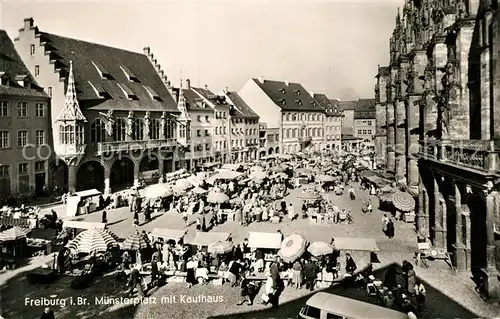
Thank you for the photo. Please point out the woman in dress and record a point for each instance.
(191, 270)
(297, 274)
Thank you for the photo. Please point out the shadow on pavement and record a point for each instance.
(438, 305)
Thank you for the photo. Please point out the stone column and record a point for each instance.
(412, 135)
(423, 210)
(381, 133)
(391, 137)
(439, 215)
(400, 147)
(485, 78)
(459, 256)
(107, 181)
(491, 273)
(136, 174)
(161, 168)
(72, 181)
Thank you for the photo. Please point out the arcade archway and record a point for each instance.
(477, 207)
(122, 174)
(58, 176)
(90, 175)
(271, 151)
(277, 150)
(148, 169)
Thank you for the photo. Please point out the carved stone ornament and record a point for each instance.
(147, 124)
(130, 122)
(163, 124)
(109, 123)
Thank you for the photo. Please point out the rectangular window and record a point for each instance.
(4, 179)
(23, 168)
(37, 70)
(206, 133)
(198, 133)
(40, 137)
(216, 131)
(32, 49)
(207, 147)
(22, 109)
(225, 144)
(49, 91)
(206, 118)
(4, 108)
(4, 171)
(22, 138)
(39, 166)
(199, 118)
(4, 139)
(39, 110)
(225, 131)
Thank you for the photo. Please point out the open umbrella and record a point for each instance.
(92, 240)
(220, 247)
(308, 195)
(292, 247)
(225, 174)
(157, 190)
(403, 201)
(217, 198)
(135, 241)
(326, 178)
(183, 184)
(199, 190)
(14, 233)
(320, 248)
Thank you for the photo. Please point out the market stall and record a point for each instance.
(83, 202)
(168, 234)
(205, 239)
(360, 249)
(13, 246)
(15, 216)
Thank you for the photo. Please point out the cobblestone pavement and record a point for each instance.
(450, 294)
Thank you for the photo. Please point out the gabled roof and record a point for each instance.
(242, 109)
(331, 108)
(194, 102)
(288, 96)
(13, 68)
(347, 105)
(91, 60)
(365, 109)
(211, 96)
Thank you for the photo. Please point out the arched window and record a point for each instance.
(98, 131)
(287, 133)
(155, 129)
(120, 130)
(308, 132)
(314, 132)
(80, 139)
(138, 129)
(294, 133)
(170, 128)
(287, 117)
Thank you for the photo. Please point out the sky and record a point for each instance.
(330, 47)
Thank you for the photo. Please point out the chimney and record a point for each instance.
(188, 84)
(28, 23)
(261, 79)
(147, 51)
(206, 87)
(287, 83)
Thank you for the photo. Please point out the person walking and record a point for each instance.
(245, 291)
(310, 272)
(385, 221)
(104, 217)
(420, 294)
(390, 229)
(350, 265)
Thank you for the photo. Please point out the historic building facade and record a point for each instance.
(269, 140)
(441, 127)
(381, 128)
(114, 117)
(364, 121)
(25, 125)
(291, 108)
(244, 134)
(332, 122)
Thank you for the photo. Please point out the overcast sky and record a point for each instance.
(328, 46)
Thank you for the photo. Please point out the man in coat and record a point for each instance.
(310, 273)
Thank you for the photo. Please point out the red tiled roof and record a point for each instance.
(12, 66)
(87, 55)
(291, 97)
(242, 109)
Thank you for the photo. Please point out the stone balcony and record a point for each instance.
(130, 146)
(482, 155)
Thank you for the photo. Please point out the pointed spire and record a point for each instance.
(71, 111)
(182, 106)
(398, 19)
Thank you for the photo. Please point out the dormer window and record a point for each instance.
(127, 92)
(297, 92)
(282, 91)
(130, 76)
(298, 102)
(283, 102)
(99, 91)
(4, 80)
(22, 80)
(152, 93)
(102, 71)
(313, 102)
